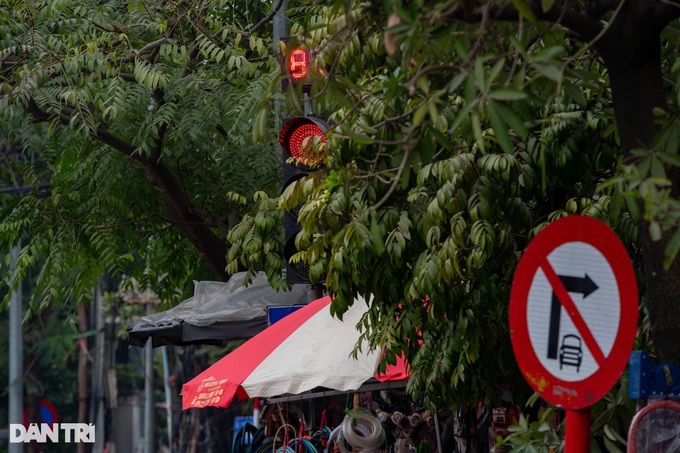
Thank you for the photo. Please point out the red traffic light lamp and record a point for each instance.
(303, 141)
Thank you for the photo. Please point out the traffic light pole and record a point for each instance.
(281, 27)
(280, 23)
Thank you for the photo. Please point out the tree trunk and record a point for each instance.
(631, 50)
(180, 210)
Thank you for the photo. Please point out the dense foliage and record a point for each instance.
(443, 160)
(460, 130)
(136, 120)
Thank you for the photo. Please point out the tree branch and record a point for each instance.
(193, 53)
(602, 7)
(153, 45)
(177, 205)
(413, 82)
(582, 25)
(267, 18)
(664, 12)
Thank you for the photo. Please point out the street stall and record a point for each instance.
(217, 312)
(308, 355)
(307, 349)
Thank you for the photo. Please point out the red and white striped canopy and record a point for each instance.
(308, 348)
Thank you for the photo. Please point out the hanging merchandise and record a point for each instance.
(245, 437)
(362, 430)
(321, 435)
(385, 421)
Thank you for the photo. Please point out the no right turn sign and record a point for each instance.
(573, 311)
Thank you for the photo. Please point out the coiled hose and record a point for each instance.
(361, 430)
(243, 438)
(332, 437)
(258, 440)
(285, 448)
(302, 445)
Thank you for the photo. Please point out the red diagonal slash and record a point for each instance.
(570, 307)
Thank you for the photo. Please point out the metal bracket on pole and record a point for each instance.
(307, 101)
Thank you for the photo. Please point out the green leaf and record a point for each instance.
(616, 206)
(501, 131)
(479, 74)
(574, 92)
(633, 207)
(493, 74)
(508, 94)
(655, 231)
(549, 71)
(524, 10)
(546, 5)
(512, 119)
(441, 139)
(672, 250)
(461, 46)
(477, 130)
(670, 158)
(611, 447)
(361, 138)
(549, 54)
(419, 114)
(457, 80)
(463, 114)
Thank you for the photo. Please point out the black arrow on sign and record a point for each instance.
(583, 285)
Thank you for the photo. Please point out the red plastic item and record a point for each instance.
(655, 428)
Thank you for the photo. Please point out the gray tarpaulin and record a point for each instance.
(217, 312)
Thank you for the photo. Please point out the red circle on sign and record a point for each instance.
(579, 393)
(48, 414)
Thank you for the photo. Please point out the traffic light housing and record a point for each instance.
(303, 142)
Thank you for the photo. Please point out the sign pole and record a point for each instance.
(577, 431)
(573, 317)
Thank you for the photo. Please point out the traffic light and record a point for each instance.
(297, 68)
(303, 141)
(298, 63)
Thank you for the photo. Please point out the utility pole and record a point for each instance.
(147, 298)
(149, 441)
(97, 408)
(281, 24)
(16, 357)
(16, 340)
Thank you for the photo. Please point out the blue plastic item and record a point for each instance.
(648, 380)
